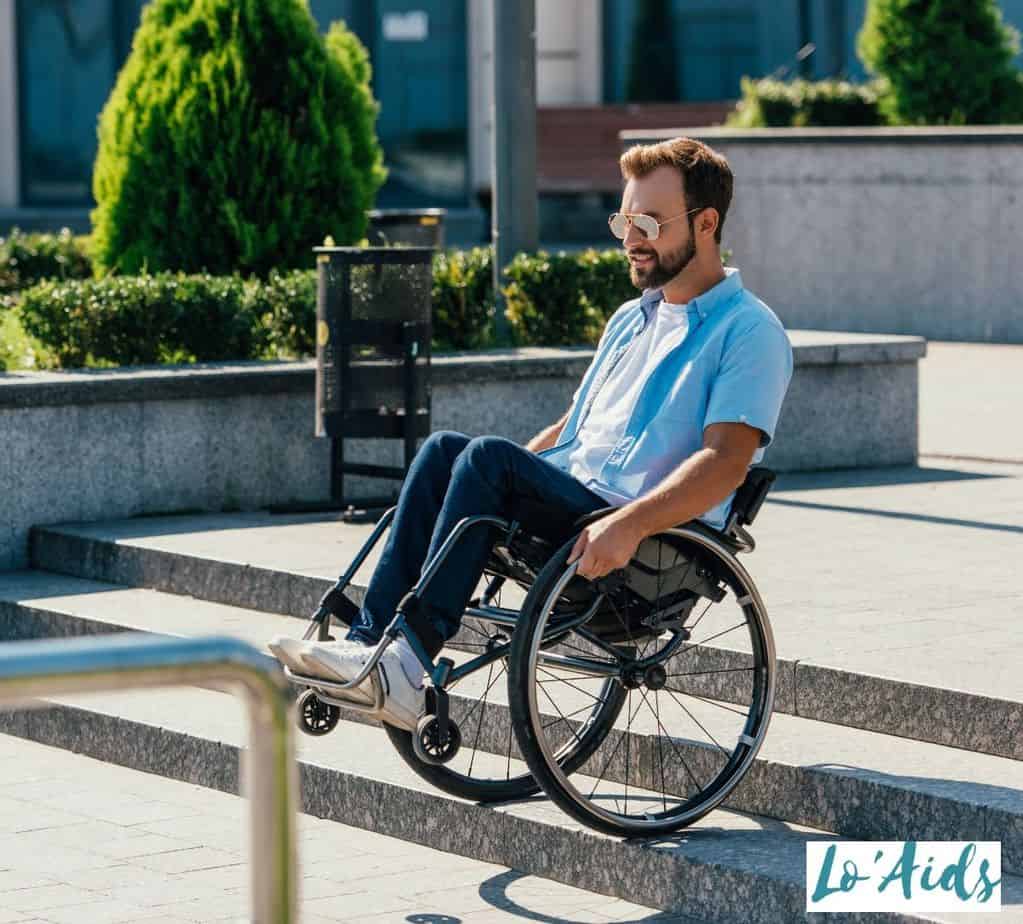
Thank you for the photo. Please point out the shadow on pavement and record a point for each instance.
(874, 477)
(495, 891)
(899, 515)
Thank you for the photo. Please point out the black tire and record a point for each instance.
(731, 676)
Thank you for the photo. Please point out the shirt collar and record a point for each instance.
(703, 304)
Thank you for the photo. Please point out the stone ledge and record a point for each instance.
(219, 380)
(973, 134)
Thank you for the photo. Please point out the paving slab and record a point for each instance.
(191, 865)
(969, 400)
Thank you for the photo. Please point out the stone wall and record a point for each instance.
(898, 230)
(99, 445)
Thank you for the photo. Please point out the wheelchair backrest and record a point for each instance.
(750, 495)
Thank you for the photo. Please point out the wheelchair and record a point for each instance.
(636, 702)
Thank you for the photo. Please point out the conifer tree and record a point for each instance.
(235, 139)
(943, 61)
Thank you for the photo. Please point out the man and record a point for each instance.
(682, 396)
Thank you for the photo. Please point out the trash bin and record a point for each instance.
(407, 227)
(373, 308)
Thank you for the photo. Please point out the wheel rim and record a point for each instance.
(696, 710)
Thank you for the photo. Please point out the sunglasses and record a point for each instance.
(647, 225)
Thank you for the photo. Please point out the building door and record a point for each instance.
(420, 78)
(69, 53)
(419, 53)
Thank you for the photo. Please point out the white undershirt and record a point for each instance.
(611, 409)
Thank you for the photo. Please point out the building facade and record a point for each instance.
(432, 75)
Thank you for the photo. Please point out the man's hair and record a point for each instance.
(706, 176)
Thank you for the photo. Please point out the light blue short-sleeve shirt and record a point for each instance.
(733, 365)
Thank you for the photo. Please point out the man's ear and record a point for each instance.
(707, 222)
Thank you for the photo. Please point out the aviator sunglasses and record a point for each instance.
(647, 225)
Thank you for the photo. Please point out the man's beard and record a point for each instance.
(664, 269)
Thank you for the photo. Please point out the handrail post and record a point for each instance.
(269, 774)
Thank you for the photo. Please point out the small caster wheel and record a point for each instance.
(316, 717)
(427, 744)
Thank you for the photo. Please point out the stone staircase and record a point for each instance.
(847, 755)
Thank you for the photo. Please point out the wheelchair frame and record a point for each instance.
(436, 726)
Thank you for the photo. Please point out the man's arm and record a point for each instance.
(549, 436)
(700, 483)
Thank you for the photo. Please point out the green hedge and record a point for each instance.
(463, 299)
(133, 320)
(564, 299)
(553, 300)
(769, 103)
(28, 258)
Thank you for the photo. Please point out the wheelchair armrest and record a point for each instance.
(750, 495)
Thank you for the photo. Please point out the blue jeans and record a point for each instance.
(455, 476)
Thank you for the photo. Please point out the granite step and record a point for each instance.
(212, 557)
(856, 783)
(729, 867)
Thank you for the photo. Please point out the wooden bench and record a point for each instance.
(577, 147)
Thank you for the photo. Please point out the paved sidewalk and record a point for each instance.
(83, 842)
(970, 396)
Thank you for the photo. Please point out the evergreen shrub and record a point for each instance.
(235, 138)
(770, 103)
(27, 258)
(564, 299)
(141, 320)
(943, 61)
(463, 299)
(553, 300)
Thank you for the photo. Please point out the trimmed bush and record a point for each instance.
(553, 300)
(943, 61)
(28, 258)
(285, 310)
(769, 103)
(140, 320)
(564, 299)
(463, 299)
(235, 138)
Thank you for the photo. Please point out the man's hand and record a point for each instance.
(605, 546)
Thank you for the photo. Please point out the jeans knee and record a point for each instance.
(489, 448)
(447, 442)
(490, 457)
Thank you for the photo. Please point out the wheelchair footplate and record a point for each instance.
(320, 704)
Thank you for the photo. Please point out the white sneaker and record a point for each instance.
(401, 676)
(289, 650)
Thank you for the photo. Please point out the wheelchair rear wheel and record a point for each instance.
(685, 639)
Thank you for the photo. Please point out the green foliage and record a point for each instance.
(133, 320)
(553, 300)
(235, 138)
(564, 299)
(653, 57)
(285, 311)
(768, 103)
(19, 351)
(27, 258)
(943, 61)
(463, 299)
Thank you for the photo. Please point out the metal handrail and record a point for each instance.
(269, 774)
